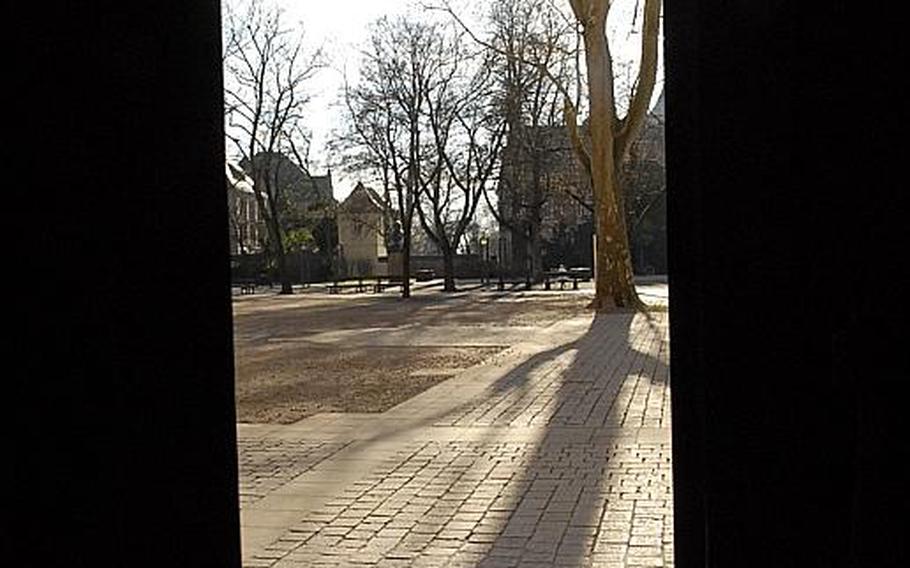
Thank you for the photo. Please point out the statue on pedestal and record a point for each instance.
(394, 246)
(394, 241)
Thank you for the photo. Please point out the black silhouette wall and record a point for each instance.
(783, 144)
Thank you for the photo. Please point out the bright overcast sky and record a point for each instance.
(341, 27)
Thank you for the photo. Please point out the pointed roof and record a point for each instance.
(299, 185)
(361, 199)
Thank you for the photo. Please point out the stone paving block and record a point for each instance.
(497, 562)
(585, 480)
(645, 561)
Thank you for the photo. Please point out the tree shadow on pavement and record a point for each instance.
(569, 505)
(582, 486)
(547, 466)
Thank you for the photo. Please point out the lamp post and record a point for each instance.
(483, 258)
(500, 243)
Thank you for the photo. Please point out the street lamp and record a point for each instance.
(483, 258)
(501, 244)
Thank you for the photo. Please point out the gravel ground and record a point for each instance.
(282, 376)
(287, 384)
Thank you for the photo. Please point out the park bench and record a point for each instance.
(425, 274)
(501, 283)
(248, 285)
(562, 277)
(338, 285)
(383, 282)
(583, 272)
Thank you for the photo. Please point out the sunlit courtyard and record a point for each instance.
(511, 429)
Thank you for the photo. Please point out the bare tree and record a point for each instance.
(267, 67)
(644, 174)
(468, 134)
(531, 45)
(609, 139)
(389, 130)
(642, 177)
(602, 147)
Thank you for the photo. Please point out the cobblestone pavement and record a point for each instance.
(266, 464)
(557, 454)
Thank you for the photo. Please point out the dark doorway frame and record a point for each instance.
(784, 406)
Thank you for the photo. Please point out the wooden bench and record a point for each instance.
(582, 272)
(383, 282)
(424, 274)
(338, 285)
(562, 277)
(501, 283)
(248, 285)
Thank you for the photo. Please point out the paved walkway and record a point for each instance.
(555, 454)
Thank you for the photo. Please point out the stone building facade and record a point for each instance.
(361, 233)
(245, 220)
(545, 199)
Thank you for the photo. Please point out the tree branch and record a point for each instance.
(647, 76)
(571, 118)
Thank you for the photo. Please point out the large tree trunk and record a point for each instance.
(448, 267)
(283, 275)
(528, 258)
(613, 278)
(277, 246)
(281, 263)
(276, 240)
(406, 264)
(534, 242)
(614, 286)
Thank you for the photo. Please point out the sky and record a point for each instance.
(340, 27)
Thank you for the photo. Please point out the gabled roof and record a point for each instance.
(361, 199)
(297, 184)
